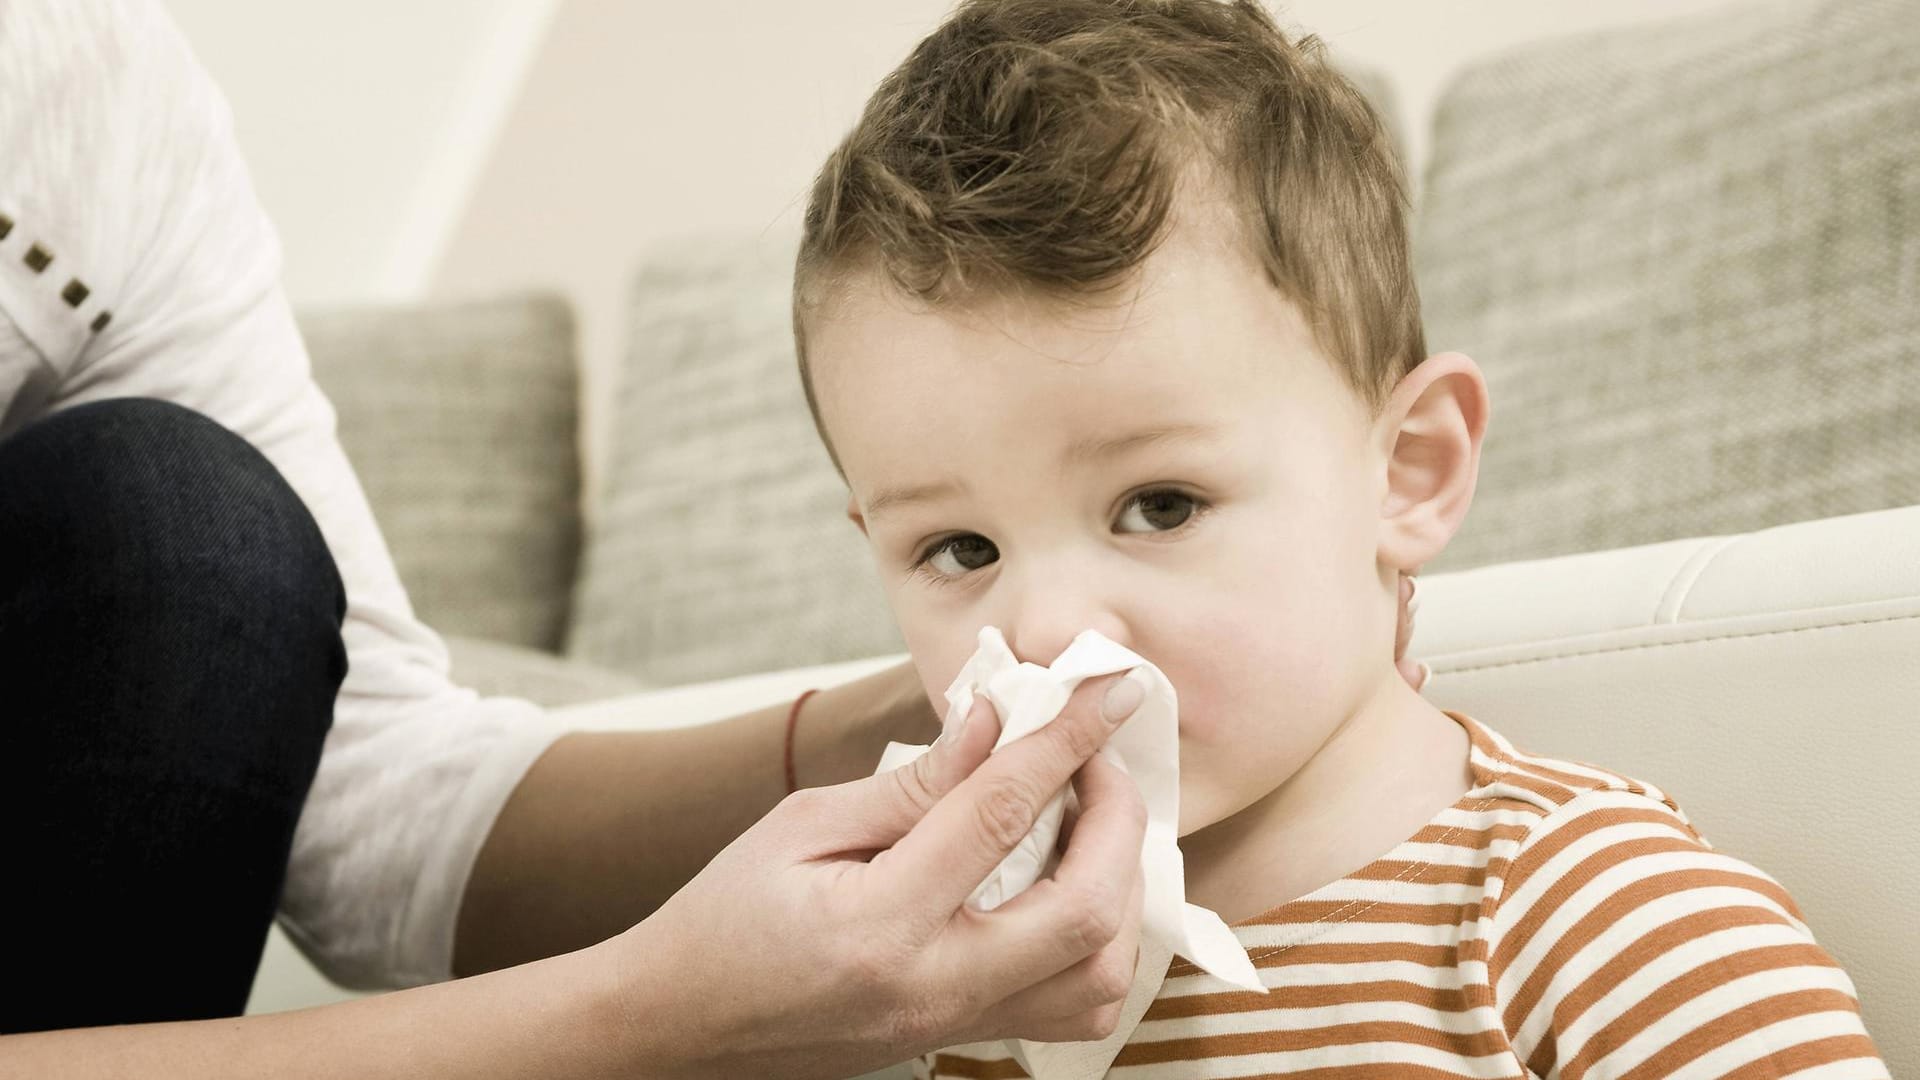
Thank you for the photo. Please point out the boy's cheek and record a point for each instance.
(938, 663)
(1220, 677)
(1242, 730)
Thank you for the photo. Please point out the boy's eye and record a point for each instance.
(957, 555)
(1156, 511)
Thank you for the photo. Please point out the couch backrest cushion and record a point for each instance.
(1687, 256)
(720, 543)
(460, 421)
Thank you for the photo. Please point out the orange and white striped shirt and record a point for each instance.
(1559, 920)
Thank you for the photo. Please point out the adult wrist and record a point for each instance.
(647, 1005)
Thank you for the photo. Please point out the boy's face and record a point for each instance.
(1180, 469)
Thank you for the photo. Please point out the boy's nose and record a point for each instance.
(1049, 618)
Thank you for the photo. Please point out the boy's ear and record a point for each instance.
(1430, 434)
(854, 515)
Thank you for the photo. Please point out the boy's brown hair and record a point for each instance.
(1040, 143)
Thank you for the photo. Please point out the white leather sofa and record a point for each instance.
(1769, 681)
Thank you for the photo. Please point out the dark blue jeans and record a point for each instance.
(169, 657)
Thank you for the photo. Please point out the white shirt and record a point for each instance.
(117, 158)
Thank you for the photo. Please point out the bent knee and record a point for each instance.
(150, 489)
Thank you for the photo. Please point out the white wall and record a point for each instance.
(642, 120)
(365, 123)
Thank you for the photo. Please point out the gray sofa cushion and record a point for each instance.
(721, 545)
(460, 421)
(1687, 256)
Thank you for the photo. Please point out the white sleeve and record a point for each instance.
(117, 149)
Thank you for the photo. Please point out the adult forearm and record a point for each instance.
(568, 1017)
(607, 825)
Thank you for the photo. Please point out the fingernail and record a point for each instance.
(1426, 675)
(1413, 596)
(1125, 696)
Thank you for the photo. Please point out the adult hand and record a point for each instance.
(1415, 672)
(834, 936)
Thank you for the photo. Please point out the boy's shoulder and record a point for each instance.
(1574, 843)
(1555, 828)
(1534, 794)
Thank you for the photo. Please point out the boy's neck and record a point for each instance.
(1382, 775)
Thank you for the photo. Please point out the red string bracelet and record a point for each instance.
(793, 718)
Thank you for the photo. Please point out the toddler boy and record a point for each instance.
(1105, 312)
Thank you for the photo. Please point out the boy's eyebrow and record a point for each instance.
(891, 497)
(1089, 449)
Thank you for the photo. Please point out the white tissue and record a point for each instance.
(1027, 697)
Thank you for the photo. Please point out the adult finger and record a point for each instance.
(1075, 1002)
(1102, 860)
(1415, 672)
(1083, 908)
(1418, 673)
(874, 812)
(1407, 607)
(968, 832)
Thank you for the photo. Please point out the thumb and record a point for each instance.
(871, 814)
